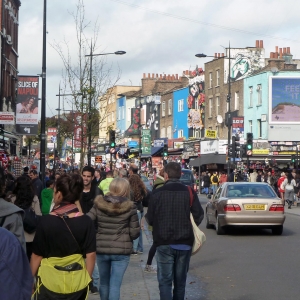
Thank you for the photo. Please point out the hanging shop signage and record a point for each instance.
(209, 147)
(146, 141)
(210, 134)
(7, 118)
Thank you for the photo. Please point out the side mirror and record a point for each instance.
(209, 196)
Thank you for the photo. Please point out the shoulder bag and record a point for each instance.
(199, 236)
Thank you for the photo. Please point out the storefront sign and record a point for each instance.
(210, 134)
(7, 118)
(260, 151)
(209, 147)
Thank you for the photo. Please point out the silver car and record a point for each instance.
(245, 204)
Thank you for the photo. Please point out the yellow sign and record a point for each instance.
(260, 151)
(286, 152)
(210, 134)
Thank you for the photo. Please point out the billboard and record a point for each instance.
(27, 106)
(284, 100)
(51, 137)
(284, 108)
(238, 126)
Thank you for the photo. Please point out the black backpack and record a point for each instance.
(31, 220)
(215, 179)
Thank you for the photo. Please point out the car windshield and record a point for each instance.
(250, 190)
(186, 176)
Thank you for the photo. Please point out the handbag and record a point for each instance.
(31, 220)
(199, 236)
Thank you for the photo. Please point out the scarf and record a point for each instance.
(64, 209)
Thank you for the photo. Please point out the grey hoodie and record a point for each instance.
(13, 220)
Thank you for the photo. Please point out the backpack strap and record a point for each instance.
(191, 195)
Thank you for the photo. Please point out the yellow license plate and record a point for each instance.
(254, 206)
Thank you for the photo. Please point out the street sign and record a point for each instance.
(98, 159)
(249, 152)
(160, 142)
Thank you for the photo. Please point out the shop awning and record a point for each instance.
(206, 159)
(155, 150)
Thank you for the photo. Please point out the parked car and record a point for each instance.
(245, 204)
(147, 182)
(187, 178)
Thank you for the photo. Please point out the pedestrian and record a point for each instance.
(259, 177)
(36, 183)
(139, 195)
(169, 214)
(24, 197)
(65, 237)
(104, 184)
(288, 185)
(253, 176)
(90, 192)
(206, 183)
(118, 225)
(11, 216)
(47, 196)
(280, 187)
(214, 180)
(223, 178)
(15, 275)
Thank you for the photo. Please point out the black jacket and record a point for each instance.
(169, 214)
(87, 199)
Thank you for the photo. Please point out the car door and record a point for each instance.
(214, 204)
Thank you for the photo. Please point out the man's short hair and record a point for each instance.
(123, 172)
(134, 168)
(26, 169)
(34, 172)
(109, 174)
(49, 182)
(173, 170)
(88, 169)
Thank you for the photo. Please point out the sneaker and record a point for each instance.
(94, 290)
(133, 253)
(139, 252)
(149, 269)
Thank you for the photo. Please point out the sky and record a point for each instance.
(160, 37)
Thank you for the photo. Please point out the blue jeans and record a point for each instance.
(214, 188)
(95, 276)
(205, 190)
(111, 269)
(138, 243)
(172, 265)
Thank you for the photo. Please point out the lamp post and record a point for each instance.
(90, 98)
(228, 100)
(43, 106)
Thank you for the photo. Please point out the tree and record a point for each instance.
(76, 77)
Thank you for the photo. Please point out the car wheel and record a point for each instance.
(219, 229)
(277, 230)
(208, 225)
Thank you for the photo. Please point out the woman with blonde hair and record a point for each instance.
(118, 226)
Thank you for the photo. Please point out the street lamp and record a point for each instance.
(228, 100)
(90, 99)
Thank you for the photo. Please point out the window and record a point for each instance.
(163, 132)
(180, 133)
(129, 113)
(112, 116)
(227, 106)
(225, 76)
(170, 107)
(236, 101)
(163, 109)
(259, 94)
(119, 113)
(196, 133)
(250, 125)
(210, 108)
(196, 103)
(259, 129)
(123, 112)
(251, 96)
(180, 105)
(217, 105)
(169, 132)
(210, 80)
(218, 77)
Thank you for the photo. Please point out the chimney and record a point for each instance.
(148, 75)
(160, 76)
(144, 75)
(280, 53)
(216, 55)
(152, 75)
(176, 76)
(261, 44)
(284, 50)
(257, 44)
(288, 50)
(156, 75)
(276, 49)
(223, 54)
(271, 54)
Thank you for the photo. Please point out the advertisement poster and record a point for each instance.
(79, 120)
(51, 137)
(285, 100)
(238, 126)
(27, 106)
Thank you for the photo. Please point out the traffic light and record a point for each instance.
(24, 151)
(230, 153)
(293, 159)
(112, 138)
(234, 144)
(237, 145)
(243, 151)
(165, 150)
(249, 141)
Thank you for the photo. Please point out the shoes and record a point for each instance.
(139, 252)
(289, 207)
(93, 289)
(134, 253)
(149, 269)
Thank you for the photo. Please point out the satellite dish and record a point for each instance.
(274, 70)
(219, 119)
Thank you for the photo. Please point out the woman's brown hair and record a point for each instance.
(137, 187)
